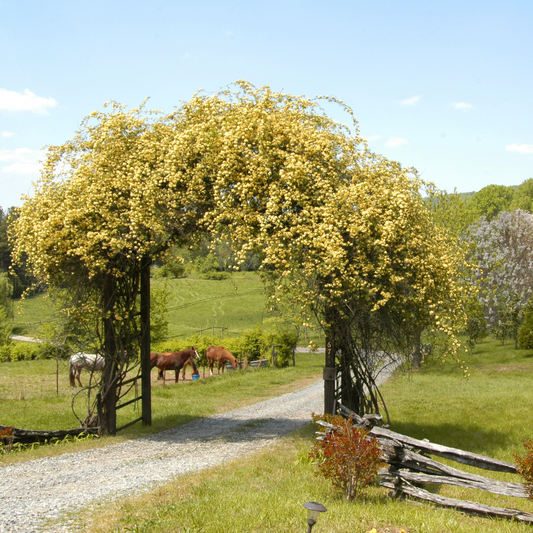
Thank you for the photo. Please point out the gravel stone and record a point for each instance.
(34, 493)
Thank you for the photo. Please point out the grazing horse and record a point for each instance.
(172, 361)
(191, 363)
(220, 355)
(79, 361)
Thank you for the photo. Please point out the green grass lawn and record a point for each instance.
(31, 397)
(487, 413)
(238, 303)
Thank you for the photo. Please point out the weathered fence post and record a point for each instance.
(274, 353)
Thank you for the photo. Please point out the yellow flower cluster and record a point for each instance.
(267, 170)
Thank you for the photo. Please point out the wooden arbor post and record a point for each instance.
(110, 369)
(109, 425)
(145, 342)
(330, 377)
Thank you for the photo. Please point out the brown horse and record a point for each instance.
(220, 355)
(172, 360)
(190, 363)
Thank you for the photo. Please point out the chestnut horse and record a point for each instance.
(172, 361)
(80, 361)
(190, 363)
(220, 355)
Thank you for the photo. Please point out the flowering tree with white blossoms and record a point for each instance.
(502, 250)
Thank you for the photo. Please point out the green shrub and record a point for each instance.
(173, 269)
(287, 338)
(6, 327)
(206, 264)
(525, 333)
(49, 351)
(5, 353)
(215, 275)
(256, 344)
(24, 351)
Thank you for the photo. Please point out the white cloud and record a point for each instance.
(6, 134)
(396, 141)
(371, 138)
(522, 148)
(462, 105)
(27, 101)
(23, 160)
(23, 168)
(411, 101)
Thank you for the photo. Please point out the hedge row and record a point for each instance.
(26, 351)
(253, 344)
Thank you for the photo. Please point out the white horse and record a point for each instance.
(79, 361)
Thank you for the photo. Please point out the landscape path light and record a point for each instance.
(313, 510)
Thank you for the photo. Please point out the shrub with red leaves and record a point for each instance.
(347, 455)
(524, 465)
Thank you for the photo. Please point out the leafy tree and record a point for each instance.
(523, 196)
(452, 210)
(491, 200)
(346, 235)
(107, 203)
(6, 292)
(5, 248)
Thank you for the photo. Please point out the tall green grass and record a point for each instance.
(487, 413)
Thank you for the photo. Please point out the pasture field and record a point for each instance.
(238, 303)
(31, 397)
(488, 413)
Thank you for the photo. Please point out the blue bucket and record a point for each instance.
(195, 377)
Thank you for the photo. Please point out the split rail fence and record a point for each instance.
(409, 467)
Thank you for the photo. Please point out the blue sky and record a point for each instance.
(445, 87)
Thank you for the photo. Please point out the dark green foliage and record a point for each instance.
(491, 200)
(6, 293)
(508, 325)
(523, 196)
(18, 276)
(215, 275)
(159, 299)
(175, 268)
(525, 333)
(5, 247)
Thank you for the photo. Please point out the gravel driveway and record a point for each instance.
(34, 492)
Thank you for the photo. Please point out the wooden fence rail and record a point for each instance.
(409, 466)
